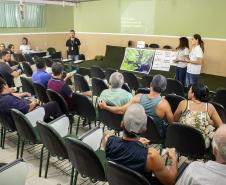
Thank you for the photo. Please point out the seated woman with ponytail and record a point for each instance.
(198, 113)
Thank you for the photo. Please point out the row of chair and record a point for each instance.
(83, 152)
(84, 158)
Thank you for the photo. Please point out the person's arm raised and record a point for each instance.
(119, 109)
(165, 174)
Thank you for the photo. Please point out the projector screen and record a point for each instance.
(138, 60)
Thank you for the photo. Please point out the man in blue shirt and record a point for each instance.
(41, 76)
(17, 101)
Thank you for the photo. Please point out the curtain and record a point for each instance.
(10, 16)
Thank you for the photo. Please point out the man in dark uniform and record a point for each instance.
(73, 46)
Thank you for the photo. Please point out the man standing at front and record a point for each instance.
(73, 46)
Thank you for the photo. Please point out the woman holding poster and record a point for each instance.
(182, 53)
(195, 60)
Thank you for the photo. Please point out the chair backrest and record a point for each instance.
(84, 71)
(220, 97)
(108, 73)
(131, 80)
(143, 91)
(118, 174)
(98, 85)
(55, 96)
(152, 132)
(27, 85)
(52, 140)
(84, 159)
(146, 81)
(220, 110)
(126, 87)
(167, 47)
(40, 92)
(51, 50)
(28, 58)
(14, 173)
(174, 101)
(82, 57)
(19, 57)
(57, 55)
(27, 69)
(84, 106)
(154, 45)
(110, 119)
(7, 122)
(8, 78)
(80, 83)
(187, 140)
(93, 138)
(97, 72)
(174, 87)
(23, 126)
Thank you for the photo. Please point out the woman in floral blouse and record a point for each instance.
(198, 113)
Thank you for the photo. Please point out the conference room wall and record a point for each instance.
(152, 17)
(57, 19)
(39, 41)
(95, 44)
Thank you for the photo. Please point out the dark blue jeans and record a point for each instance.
(191, 79)
(181, 74)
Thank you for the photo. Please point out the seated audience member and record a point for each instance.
(155, 106)
(131, 150)
(7, 57)
(7, 72)
(25, 47)
(211, 172)
(197, 112)
(49, 63)
(116, 95)
(11, 48)
(41, 76)
(58, 84)
(2, 47)
(10, 100)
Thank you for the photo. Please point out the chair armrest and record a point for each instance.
(61, 125)
(36, 115)
(93, 138)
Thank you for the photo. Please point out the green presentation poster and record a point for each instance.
(138, 60)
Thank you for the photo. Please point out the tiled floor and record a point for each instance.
(31, 154)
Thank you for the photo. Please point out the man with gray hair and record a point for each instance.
(116, 95)
(131, 150)
(155, 106)
(211, 172)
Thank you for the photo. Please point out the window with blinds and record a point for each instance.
(10, 16)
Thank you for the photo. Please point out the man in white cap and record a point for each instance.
(132, 152)
(155, 106)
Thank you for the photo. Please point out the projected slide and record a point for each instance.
(138, 60)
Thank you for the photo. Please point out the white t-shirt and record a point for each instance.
(180, 56)
(25, 48)
(195, 53)
(199, 173)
